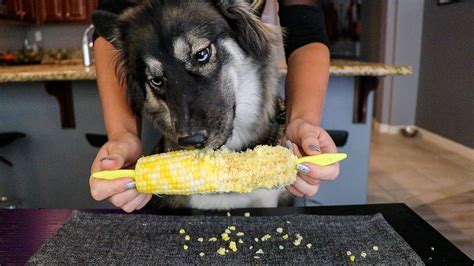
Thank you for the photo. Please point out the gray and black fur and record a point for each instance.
(205, 73)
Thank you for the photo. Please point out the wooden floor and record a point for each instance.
(436, 183)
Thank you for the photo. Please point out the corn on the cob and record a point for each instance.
(207, 171)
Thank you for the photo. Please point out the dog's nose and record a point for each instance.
(196, 140)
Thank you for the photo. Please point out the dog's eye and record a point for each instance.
(204, 55)
(157, 82)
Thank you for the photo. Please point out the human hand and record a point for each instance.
(117, 153)
(305, 139)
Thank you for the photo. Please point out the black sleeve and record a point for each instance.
(303, 21)
(114, 6)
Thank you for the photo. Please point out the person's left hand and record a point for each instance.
(304, 139)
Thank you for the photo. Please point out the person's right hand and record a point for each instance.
(117, 153)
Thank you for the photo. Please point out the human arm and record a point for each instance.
(306, 83)
(123, 146)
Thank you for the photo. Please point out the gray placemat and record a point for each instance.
(154, 239)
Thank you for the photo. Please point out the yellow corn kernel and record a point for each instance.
(187, 238)
(225, 236)
(221, 251)
(233, 246)
(207, 171)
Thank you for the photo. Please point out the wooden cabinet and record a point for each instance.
(24, 10)
(75, 10)
(49, 11)
(28, 10)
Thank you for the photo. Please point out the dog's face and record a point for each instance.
(183, 63)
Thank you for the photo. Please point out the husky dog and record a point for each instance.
(205, 73)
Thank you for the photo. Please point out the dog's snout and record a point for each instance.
(196, 140)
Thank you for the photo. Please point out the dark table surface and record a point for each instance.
(23, 231)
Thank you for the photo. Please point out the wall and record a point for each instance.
(401, 45)
(446, 90)
(60, 35)
(11, 36)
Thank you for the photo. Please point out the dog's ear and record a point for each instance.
(107, 25)
(250, 32)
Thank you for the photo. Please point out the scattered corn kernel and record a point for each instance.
(212, 239)
(279, 230)
(266, 237)
(297, 242)
(375, 248)
(232, 228)
(285, 236)
(251, 247)
(227, 231)
(225, 236)
(281, 247)
(185, 247)
(348, 253)
(352, 258)
(298, 236)
(201, 239)
(260, 251)
(309, 245)
(221, 251)
(182, 232)
(187, 237)
(256, 257)
(240, 234)
(363, 254)
(228, 214)
(233, 246)
(256, 239)
(202, 254)
(241, 241)
(288, 222)
(247, 214)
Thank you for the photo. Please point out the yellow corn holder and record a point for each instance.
(208, 171)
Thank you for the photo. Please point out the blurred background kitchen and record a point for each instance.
(410, 138)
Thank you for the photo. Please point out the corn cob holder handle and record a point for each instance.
(208, 171)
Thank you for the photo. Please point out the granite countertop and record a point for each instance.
(51, 72)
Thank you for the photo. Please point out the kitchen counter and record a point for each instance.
(48, 72)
